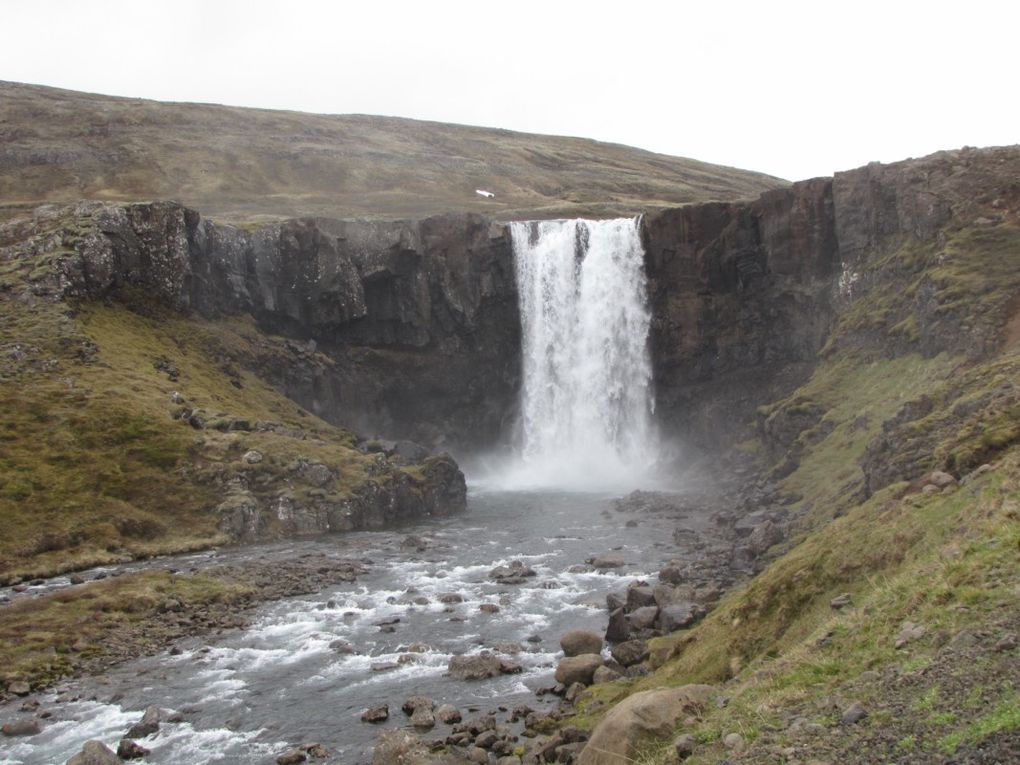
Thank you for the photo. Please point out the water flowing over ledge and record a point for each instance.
(586, 396)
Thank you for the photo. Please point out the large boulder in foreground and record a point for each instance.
(615, 740)
(578, 669)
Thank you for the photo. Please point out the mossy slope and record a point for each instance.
(98, 450)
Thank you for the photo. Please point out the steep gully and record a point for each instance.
(420, 320)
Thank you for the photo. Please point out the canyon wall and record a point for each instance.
(419, 319)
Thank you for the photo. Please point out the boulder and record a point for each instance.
(643, 618)
(148, 725)
(678, 616)
(423, 717)
(763, 537)
(578, 669)
(618, 629)
(398, 747)
(620, 734)
(605, 674)
(342, 647)
(672, 573)
(27, 727)
(515, 572)
(615, 600)
(377, 714)
(417, 702)
(19, 688)
(95, 753)
(129, 750)
(448, 714)
(603, 562)
(640, 596)
(630, 652)
(577, 642)
(291, 757)
(474, 667)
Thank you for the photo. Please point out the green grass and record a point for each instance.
(1004, 718)
(95, 468)
(44, 638)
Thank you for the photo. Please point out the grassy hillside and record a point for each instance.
(245, 164)
(125, 432)
(926, 640)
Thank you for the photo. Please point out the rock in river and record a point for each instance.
(474, 667)
(577, 642)
(578, 669)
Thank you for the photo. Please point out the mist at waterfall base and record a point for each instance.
(586, 402)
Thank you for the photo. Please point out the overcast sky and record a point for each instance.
(795, 89)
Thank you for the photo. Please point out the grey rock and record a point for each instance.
(640, 596)
(423, 717)
(605, 674)
(474, 667)
(377, 714)
(417, 702)
(515, 572)
(643, 618)
(129, 750)
(853, 714)
(840, 601)
(448, 714)
(678, 616)
(578, 669)
(630, 652)
(19, 688)
(26, 727)
(577, 642)
(619, 628)
(148, 725)
(95, 753)
(684, 746)
(734, 742)
(603, 562)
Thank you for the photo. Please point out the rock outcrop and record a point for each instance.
(403, 329)
(411, 329)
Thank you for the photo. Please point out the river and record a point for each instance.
(248, 695)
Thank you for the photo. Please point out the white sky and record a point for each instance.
(796, 89)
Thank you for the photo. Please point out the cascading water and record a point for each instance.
(586, 398)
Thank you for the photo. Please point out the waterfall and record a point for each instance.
(586, 398)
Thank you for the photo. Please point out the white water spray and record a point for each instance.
(586, 398)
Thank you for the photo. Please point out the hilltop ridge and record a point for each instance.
(239, 164)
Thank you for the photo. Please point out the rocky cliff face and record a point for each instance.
(745, 296)
(419, 319)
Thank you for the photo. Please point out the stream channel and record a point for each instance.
(248, 695)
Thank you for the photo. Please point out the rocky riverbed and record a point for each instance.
(330, 642)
